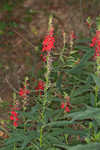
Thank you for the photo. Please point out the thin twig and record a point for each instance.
(10, 85)
(24, 38)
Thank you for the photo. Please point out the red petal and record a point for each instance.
(62, 105)
(11, 118)
(67, 109)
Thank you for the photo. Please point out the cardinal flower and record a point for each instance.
(14, 117)
(48, 42)
(96, 43)
(40, 87)
(23, 92)
(66, 105)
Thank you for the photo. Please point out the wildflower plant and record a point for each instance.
(64, 113)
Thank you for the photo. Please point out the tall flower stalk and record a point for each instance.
(23, 92)
(96, 43)
(48, 44)
(64, 42)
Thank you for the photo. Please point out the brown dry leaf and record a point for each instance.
(3, 135)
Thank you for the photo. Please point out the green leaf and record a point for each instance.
(89, 113)
(64, 146)
(83, 40)
(53, 114)
(15, 138)
(67, 130)
(33, 114)
(87, 56)
(90, 146)
(92, 96)
(51, 139)
(30, 136)
(78, 68)
(58, 123)
(52, 148)
(81, 99)
(59, 81)
(35, 108)
(8, 147)
(83, 48)
(97, 80)
(81, 90)
(55, 99)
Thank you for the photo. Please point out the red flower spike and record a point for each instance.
(14, 116)
(96, 43)
(48, 42)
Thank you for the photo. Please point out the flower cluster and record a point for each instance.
(23, 92)
(48, 44)
(14, 116)
(40, 87)
(66, 105)
(96, 43)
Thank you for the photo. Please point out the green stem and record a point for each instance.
(14, 146)
(44, 100)
(48, 68)
(98, 75)
(96, 95)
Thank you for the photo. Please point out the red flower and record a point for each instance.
(93, 42)
(62, 105)
(15, 123)
(43, 58)
(91, 45)
(66, 104)
(96, 43)
(40, 87)
(11, 118)
(67, 109)
(23, 92)
(16, 119)
(48, 42)
(14, 115)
